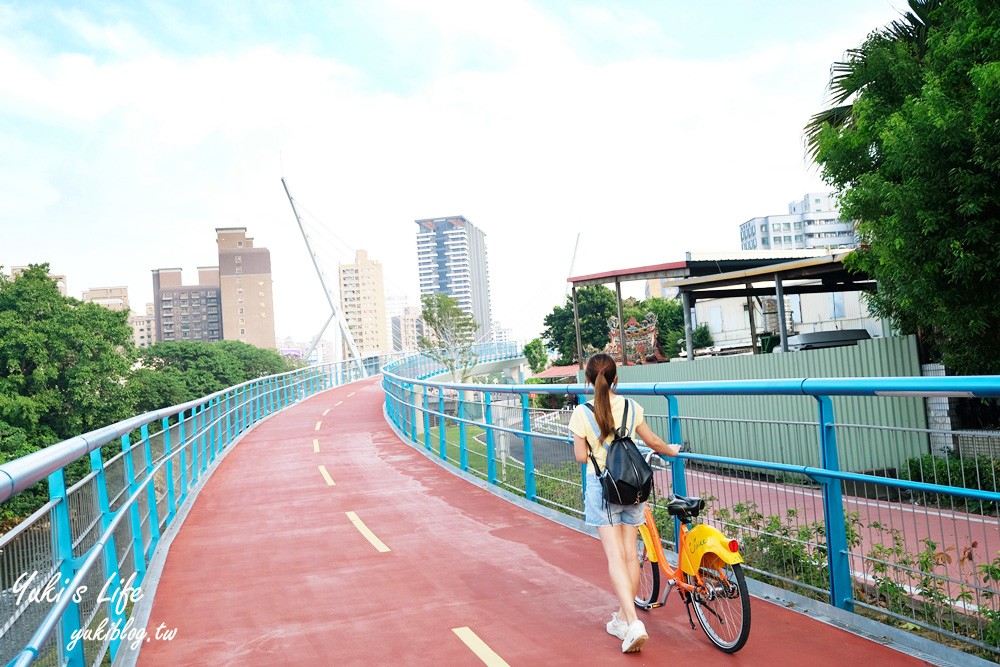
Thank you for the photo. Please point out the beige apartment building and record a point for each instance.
(246, 288)
(231, 301)
(407, 328)
(362, 301)
(143, 327)
(112, 298)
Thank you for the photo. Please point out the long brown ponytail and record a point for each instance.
(602, 372)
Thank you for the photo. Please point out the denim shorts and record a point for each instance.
(595, 512)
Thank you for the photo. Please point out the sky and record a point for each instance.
(130, 131)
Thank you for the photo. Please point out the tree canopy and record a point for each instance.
(535, 353)
(63, 364)
(913, 149)
(596, 305)
(180, 371)
(452, 334)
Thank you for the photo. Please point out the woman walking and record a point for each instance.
(616, 524)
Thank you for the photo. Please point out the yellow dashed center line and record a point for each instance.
(326, 476)
(479, 647)
(337, 403)
(327, 411)
(369, 535)
(318, 424)
(316, 445)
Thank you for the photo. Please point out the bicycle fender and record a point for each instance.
(705, 541)
(648, 541)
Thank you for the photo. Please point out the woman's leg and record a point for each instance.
(619, 544)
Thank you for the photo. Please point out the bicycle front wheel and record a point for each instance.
(723, 606)
(649, 579)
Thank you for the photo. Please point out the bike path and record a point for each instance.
(271, 567)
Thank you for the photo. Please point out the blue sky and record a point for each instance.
(130, 130)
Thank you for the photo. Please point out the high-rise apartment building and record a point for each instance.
(143, 327)
(362, 301)
(407, 328)
(812, 223)
(246, 289)
(187, 312)
(232, 301)
(451, 259)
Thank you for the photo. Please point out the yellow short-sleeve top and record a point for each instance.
(581, 425)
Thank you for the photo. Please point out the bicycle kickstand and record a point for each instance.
(687, 608)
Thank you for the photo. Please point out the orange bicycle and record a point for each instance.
(708, 576)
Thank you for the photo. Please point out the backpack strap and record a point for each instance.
(597, 430)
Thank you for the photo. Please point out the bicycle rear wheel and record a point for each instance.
(649, 579)
(724, 608)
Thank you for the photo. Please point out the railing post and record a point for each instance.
(115, 617)
(183, 455)
(529, 455)
(580, 400)
(62, 550)
(210, 422)
(244, 406)
(838, 563)
(491, 463)
(201, 423)
(427, 420)
(138, 551)
(195, 443)
(154, 514)
(229, 418)
(463, 449)
(442, 443)
(169, 471)
(676, 438)
(411, 410)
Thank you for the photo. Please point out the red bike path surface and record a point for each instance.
(268, 567)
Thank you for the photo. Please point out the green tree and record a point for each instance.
(452, 335)
(915, 157)
(535, 353)
(63, 364)
(63, 371)
(596, 304)
(669, 321)
(179, 371)
(701, 337)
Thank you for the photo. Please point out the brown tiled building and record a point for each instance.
(231, 301)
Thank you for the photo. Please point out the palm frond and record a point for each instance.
(839, 116)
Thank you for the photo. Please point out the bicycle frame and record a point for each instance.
(696, 547)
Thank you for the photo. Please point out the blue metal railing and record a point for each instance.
(105, 528)
(860, 568)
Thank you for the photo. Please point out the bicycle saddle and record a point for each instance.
(684, 506)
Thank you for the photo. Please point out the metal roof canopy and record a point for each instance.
(748, 275)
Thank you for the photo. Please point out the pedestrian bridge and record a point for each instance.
(321, 517)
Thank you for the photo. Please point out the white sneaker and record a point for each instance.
(635, 637)
(617, 627)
